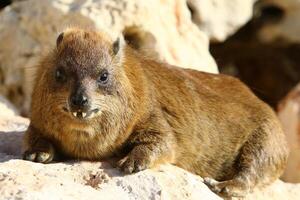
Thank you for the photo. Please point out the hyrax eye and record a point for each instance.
(60, 75)
(103, 78)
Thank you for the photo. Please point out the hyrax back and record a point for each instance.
(96, 98)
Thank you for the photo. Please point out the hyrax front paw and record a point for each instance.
(135, 161)
(41, 153)
(228, 189)
(38, 156)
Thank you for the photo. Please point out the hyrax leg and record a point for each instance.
(36, 148)
(261, 160)
(150, 144)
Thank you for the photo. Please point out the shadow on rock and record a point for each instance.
(10, 145)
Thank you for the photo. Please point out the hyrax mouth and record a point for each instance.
(81, 114)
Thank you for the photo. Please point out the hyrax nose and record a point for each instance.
(79, 100)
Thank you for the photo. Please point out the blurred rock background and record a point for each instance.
(257, 41)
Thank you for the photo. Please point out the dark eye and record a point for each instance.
(60, 75)
(103, 78)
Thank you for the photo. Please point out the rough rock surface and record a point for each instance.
(289, 114)
(85, 180)
(6, 108)
(99, 180)
(221, 18)
(287, 29)
(162, 29)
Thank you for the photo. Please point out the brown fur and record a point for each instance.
(151, 113)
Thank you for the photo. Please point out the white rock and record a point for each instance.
(98, 180)
(161, 28)
(86, 180)
(6, 108)
(221, 18)
(12, 128)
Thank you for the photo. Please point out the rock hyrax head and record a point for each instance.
(85, 75)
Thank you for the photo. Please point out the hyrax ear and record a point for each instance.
(118, 46)
(59, 39)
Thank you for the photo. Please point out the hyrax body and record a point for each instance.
(94, 98)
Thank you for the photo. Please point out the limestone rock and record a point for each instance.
(287, 29)
(160, 29)
(99, 180)
(289, 115)
(12, 128)
(86, 180)
(6, 108)
(220, 18)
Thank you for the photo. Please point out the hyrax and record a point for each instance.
(95, 98)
